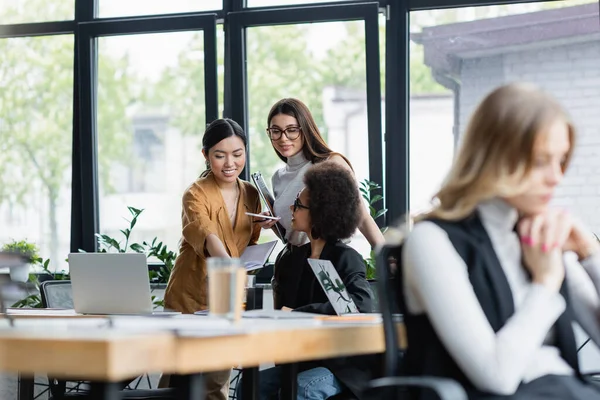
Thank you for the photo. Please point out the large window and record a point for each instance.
(151, 117)
(142, 81)
(264, 3)
(460, 55)
(36, 103)
(305, 62)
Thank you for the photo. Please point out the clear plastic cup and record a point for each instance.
(226, 282)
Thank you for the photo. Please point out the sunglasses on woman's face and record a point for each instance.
(298, 205)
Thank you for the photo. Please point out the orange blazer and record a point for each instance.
(204, 212)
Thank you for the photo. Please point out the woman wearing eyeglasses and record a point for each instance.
(298, 142)
(326, 211)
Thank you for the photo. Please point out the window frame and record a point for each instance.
(234, 18)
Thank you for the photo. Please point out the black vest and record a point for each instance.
(426, 354)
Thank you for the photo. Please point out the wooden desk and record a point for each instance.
(282, 345)
(103, 355)
(92, 350)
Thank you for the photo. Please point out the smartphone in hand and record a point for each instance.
(264, 217)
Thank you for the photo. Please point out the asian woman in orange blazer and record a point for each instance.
(214, 224)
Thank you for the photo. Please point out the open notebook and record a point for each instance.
(255, 257)
(333, 286)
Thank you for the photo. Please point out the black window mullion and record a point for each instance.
(238, 92)
(154, 24)
(396, 111)
(374, 101)
(211, 90)
(416, 5)
(37, 29)
(305, 14)
(84, 199)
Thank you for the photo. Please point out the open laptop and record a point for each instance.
(111, 283)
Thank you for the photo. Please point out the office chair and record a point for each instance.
(392, 385)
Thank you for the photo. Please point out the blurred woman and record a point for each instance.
(214, 224)
(494, 275)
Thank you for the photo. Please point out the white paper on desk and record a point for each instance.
(278, 314)
(333, 286)
(183, 322)
(68, 323)
(255, 257)
(42, 312)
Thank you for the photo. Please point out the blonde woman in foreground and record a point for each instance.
(493, 276)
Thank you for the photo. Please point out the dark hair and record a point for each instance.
(218, 130)
(333, 200)
(315, 149)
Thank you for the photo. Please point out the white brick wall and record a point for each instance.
(571, 72)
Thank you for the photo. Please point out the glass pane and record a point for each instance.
(151, 117)
(460, 55)
(119, 8)
(36, 130)
(296, 61)
(266, 3)
(19, 11)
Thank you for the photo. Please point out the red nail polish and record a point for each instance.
(545, 248)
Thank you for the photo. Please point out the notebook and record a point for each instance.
(255, 257)
(269, 201)
(333, 286)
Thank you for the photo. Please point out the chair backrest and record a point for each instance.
(56, 294)
(388, 306)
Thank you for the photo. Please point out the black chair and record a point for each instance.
(392, 385)
(59, 294)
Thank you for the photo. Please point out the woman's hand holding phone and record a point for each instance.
(264, 219)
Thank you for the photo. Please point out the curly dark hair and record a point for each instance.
(334, 201)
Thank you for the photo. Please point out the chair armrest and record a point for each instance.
(446, 389)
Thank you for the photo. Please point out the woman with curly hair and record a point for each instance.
(326, 210)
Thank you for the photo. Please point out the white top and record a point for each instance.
(437, 283)
(287, 183)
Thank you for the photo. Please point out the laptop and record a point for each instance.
(111, 283)
(333, 286)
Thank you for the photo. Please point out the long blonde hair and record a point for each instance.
(497, 150)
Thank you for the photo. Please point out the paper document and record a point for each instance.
(278, 314)
(333, 286)
(255, 257)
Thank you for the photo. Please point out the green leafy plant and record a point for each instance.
(107, 243)
(33, 299)
(155, 248)
(367, 188)
(167, 257)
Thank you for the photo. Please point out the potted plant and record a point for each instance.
(367, 188)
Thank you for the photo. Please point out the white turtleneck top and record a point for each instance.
(287, 183)
(437, 283)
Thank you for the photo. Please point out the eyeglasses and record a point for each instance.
(291, 132)
(298, 205)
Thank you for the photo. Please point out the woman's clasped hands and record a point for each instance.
(545, 237)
